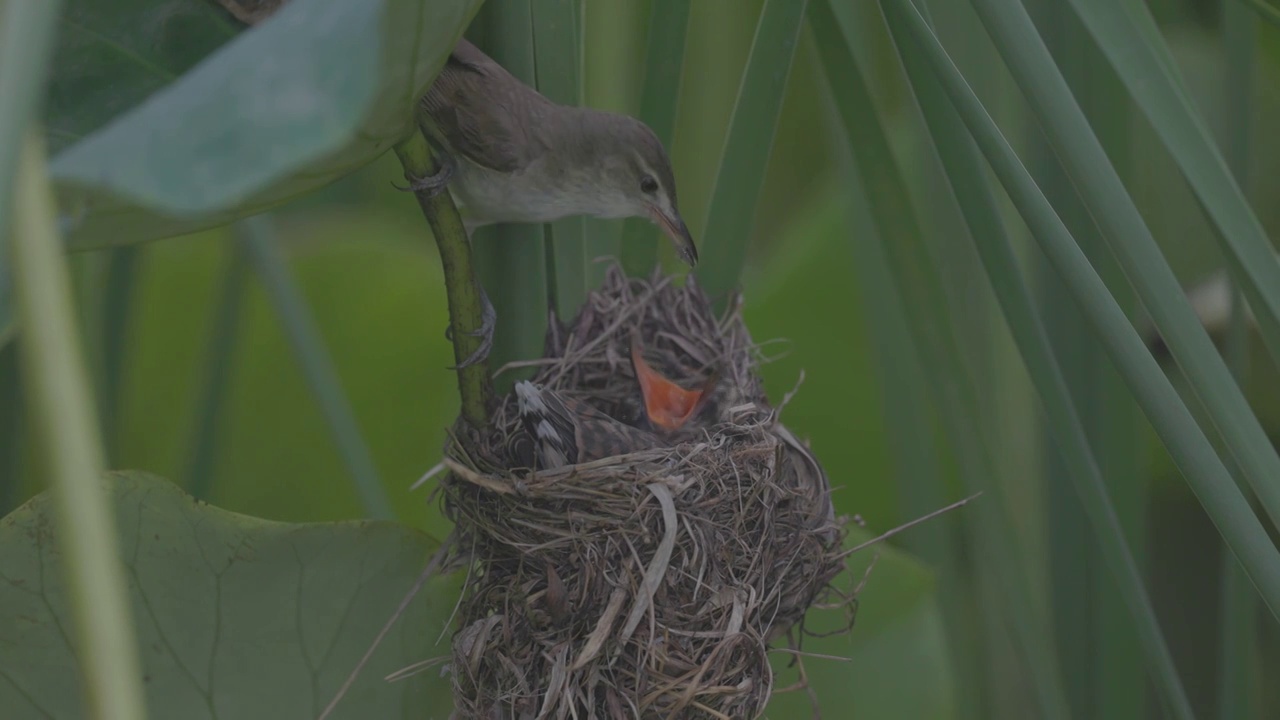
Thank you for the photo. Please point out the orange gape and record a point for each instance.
(668, 405)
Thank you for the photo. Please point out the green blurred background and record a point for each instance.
(362, 256)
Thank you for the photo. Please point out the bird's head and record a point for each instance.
(637, 180)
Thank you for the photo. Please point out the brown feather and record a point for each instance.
(570, 428)
(474, 103)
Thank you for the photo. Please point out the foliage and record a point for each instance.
(164, 119)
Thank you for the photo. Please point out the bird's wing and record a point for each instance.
(600, 436)
(474, 104)
(567, 431)
(549, 423)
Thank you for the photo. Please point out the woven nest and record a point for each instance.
(650, 584)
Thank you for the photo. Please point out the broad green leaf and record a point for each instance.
(168, 122)
(237, 617)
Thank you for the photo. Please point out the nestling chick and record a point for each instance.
(567, 431)
(669, 407)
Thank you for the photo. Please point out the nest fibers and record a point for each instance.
(649, 584)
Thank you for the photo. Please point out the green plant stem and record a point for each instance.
(558, 64)
(1187, 444)
(659, 100)
(27, 31)
(747, 147)
(117, 305)
(461, 285)
(223, 336)
(299, 326)
(510, 259)
(61, 404)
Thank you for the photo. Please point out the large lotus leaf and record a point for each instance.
(236, 617)
(165, 119)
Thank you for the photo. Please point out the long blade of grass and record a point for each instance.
(1158, 92)
(659, 99)
(1238, 669)
(978, 204)
(1186, 442)
(511, 260)
(747, 147)
(1264, 10)
(932, 326)
(7, 327)
(921, 472)
(1071, 542)
(27, 32)
(919, 480)
(1102, 656)
(63, 414)
(258, 235)
(223, 336)
(557, 49)
(117, 307)
(1104, 193)
(26, 46)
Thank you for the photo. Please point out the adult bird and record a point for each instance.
(512, 155)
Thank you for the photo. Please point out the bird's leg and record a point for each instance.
(489, 320)
(436, 183)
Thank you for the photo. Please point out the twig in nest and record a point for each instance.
(911, 524)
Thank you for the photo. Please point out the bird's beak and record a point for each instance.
(668, 405)
(675, 229)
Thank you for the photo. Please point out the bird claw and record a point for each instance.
(489, 320)
(434, 184)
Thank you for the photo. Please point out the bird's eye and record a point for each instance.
(648, 184)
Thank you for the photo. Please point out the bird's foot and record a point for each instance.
(435, 183)
(489, 320)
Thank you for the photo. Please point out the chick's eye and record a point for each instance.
(648, 184)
